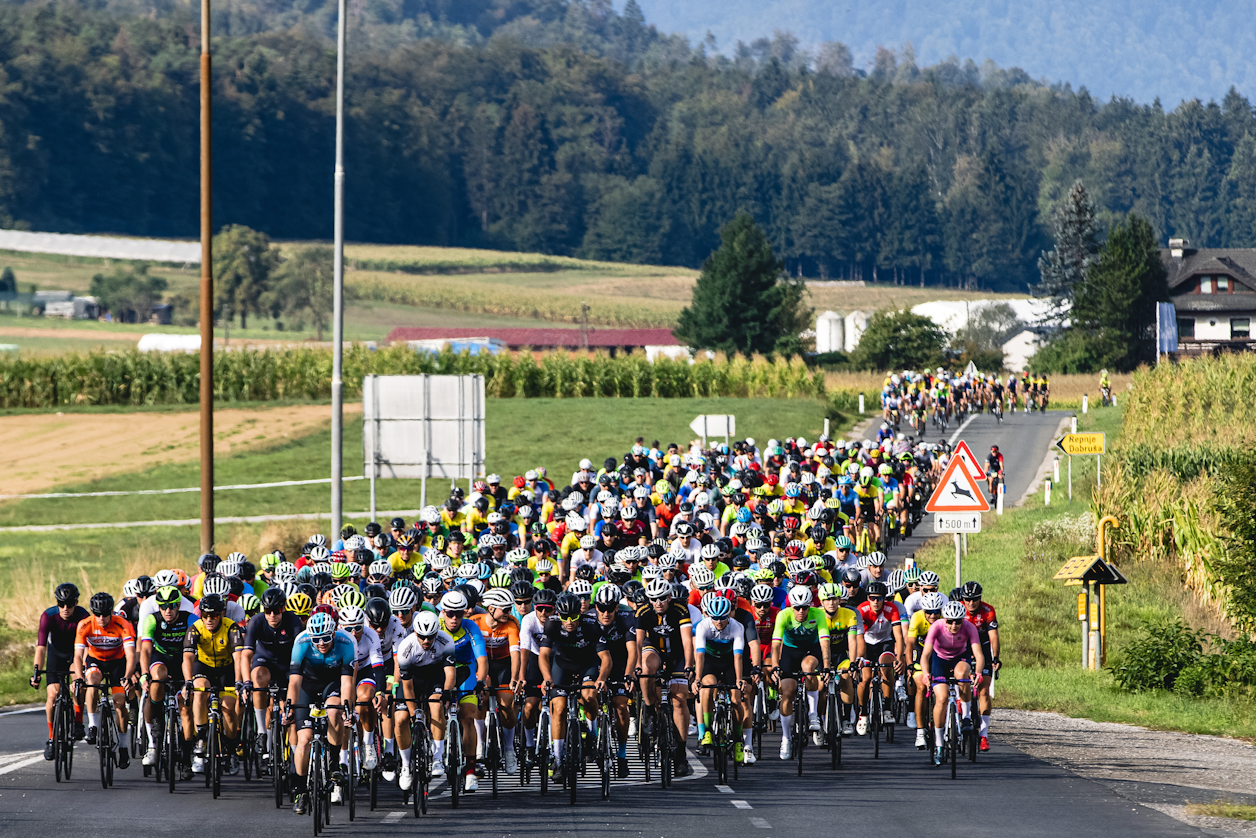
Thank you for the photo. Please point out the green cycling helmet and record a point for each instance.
(269, 562)
(168, 595)
(251, 604)
(341, 570)
(830, 590)
(499, 579)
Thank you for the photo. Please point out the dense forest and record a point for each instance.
(569, 128)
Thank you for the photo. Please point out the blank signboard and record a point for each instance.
(423, 426)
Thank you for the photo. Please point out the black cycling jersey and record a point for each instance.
(272, 645)
(662, 631)
(168, 636)
(615, 637)
(578, 646)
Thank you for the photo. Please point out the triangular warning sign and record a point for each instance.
(958, 491)
(970, 460)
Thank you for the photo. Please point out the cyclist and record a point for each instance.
(104, 650)
(665, 638)
(427, 671)
(619, 636)
(321, 670)
(800, 644)
(368, 671)
(391, 631)
(981, 614)
(501, 639)
(882, 629)
(842, 621)
(718, 646)
(930, 611)
(209, 662)
(952, 649)
(162, 636)
(54, 650)
(994, 468)
(573, 656)
(469, 649)
(531, 627)
(266, 653)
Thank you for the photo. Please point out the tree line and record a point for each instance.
(619, 143)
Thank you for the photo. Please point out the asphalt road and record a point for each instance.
(1006, 793)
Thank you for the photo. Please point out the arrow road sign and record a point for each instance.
(1092, 443)
(970, 460)
(714, 424)
(958, 491)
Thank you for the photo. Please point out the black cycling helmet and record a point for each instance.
(522, 590)
(248, 571)
(145, 586)
(544, 596)
(208, 561)
(100, 604)
(361, 555)
(377, 611)
(971, 590)
(586, 572)
(307, 589)
(400, 523)
(740, 561)
(273, 598)
(808, 578)
(618, 575)
(212, 604)
(322, 580)
(372, 529)
(236, 586)
(852, 576)
(67, 593)
(878, 589)
(777, 568)
(375, 591)
(956, 594)
(485, 553)
(568, 605)
(655, 551)
(522, 574)
(472, 595)
(348, 530)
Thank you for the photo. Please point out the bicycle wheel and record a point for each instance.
(67, 745)
(953, 737)
(373, 783)
(874, 717)
(800, 723)
(418, 788)
(573, 758)
(213, 769)
(833, 729)
(663, 736)
(102, 745)
(492, 749)
(58, 734)
(173, 751)
(248, 736)
(604, 752)
(278, 764)
(350, 789)
(974, 713)
(314, 784)
(453, 757)
(543, 750)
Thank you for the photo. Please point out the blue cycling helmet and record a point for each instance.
(716, 606)
(321, 626)
(743, 516)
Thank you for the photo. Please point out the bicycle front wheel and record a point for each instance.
(573, 758)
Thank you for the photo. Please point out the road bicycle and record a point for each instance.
(954, 739)
(455, 761)
(760, 716)
(573, 740)
(494, 744)
(108, 735)
(421, 750)
(322, 775)
(833, 712)
(606, 745)
(723, 736)
(658, 748)
(62, 724)
(801, 722)
(169, 742)
(876, 707)
(524, 756)
(215, 742)
(279, 749)
(251, 760)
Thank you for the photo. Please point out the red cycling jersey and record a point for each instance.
(878, 627)
(985, 620)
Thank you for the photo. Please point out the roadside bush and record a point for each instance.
(1158, 656)
(1232, 668)
(1061, 538)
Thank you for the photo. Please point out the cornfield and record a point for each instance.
(1184, 425)
(135, 378)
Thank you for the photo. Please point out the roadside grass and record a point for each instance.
(1222, 809)
(1039, 630)
(520, 434)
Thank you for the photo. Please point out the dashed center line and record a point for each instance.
(393, 817)
(761, 823)
(742, 804)
(724, 789)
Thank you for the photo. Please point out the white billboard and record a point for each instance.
(421, 426)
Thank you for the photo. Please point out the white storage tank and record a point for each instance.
(856, 325)
(830, 333)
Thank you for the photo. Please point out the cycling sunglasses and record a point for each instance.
(934, 613)
(607, 607)
(457, 613)
(954, 622)
(272, 611)
(545, 608)
(523, 602)
(876, 599)
(801, 607)
(660, 598)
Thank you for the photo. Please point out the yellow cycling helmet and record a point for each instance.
(300, 604)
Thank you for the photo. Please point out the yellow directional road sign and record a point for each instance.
(1093, 443)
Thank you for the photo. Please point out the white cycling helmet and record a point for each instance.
(581, 587)
(953, 611)
(130, 587)
(701, 576)
(285, 572)
(318, 553)
(710, 551)
(402, 599)
(658, 589)
(453, 601)
(352, 617)
(471, 570)
(588, 542)
(165, 578)
(217, 585)
(229, 568)
(761, 593)
(380, 567)
(930, 578)
(876, 559)
(667, 561)
(426, 624)
(497, 598)
(237, 556)
(429, 515)
(608, 593)
(933, 601)
(799, 595)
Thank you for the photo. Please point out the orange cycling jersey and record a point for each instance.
(500, 641)
(104, 643)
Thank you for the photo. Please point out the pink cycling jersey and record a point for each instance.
(951, 645)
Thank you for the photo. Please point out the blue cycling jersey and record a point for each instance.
(468, 645)
(324, 667)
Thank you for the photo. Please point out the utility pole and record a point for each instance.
(584, 326)
(207, 293)
(338, 315)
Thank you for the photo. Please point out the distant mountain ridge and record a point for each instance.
(1137, 48)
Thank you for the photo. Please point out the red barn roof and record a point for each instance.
(540, 338)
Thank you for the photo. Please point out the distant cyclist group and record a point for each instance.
(935, 398)
(672, 596)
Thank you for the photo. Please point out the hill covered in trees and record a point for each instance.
(568, 128)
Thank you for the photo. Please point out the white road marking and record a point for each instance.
(960, 429)
(393, 817)
(742, 804)
(12, 762)
(724, 789)
(761, 823)
(35, 709)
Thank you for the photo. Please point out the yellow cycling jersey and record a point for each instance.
(212, 648)
(844, 622)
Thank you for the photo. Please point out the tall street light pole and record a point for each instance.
(207, 295)
(338, 314)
